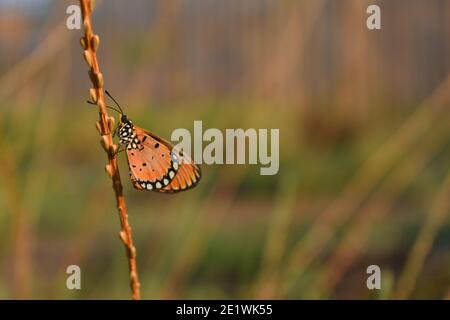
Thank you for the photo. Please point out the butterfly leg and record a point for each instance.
(115, 130)
(119, 150)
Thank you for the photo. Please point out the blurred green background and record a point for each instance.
(364, 149)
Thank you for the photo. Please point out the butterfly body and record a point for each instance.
(127, 134)
(154, 163)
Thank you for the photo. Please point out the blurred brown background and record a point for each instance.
(364, 149)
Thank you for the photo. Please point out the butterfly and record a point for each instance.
(154, 163)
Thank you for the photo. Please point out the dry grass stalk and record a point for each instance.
(421, 249)
(352, 246)
(340, 210)
(105, 125)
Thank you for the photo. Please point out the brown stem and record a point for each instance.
(105, 126)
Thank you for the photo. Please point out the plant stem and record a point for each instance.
(105, 126)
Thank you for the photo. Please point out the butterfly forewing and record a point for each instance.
(156, 165)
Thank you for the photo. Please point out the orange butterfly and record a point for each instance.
(154, 163)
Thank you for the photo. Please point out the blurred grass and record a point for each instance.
(363, 158)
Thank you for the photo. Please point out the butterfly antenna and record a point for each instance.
(116, 110)
(109, 95)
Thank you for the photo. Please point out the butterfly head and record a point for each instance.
(123, 119)
(125, 127)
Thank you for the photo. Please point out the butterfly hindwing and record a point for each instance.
(187, 177)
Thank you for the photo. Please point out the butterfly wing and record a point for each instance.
(158, 166)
